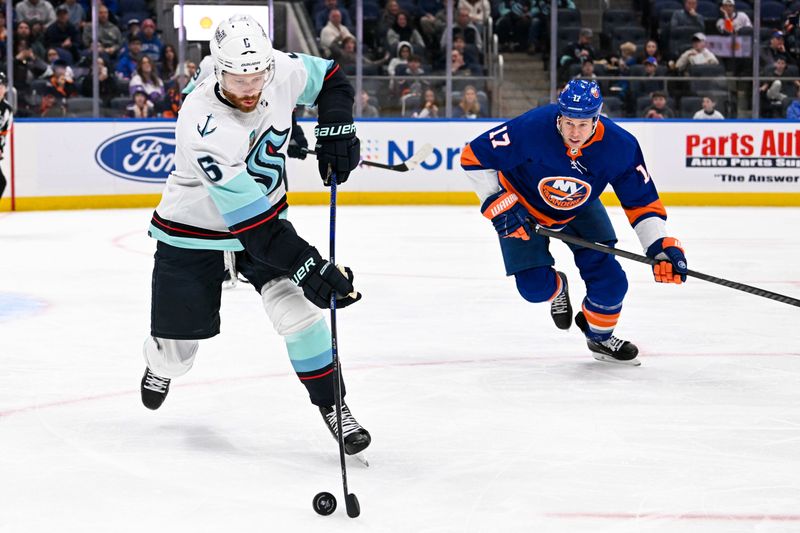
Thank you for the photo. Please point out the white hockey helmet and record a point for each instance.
(241, 46)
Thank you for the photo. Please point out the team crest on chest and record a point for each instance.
(564, 192)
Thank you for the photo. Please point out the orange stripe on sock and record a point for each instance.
(600, 320)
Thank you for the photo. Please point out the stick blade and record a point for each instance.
(353, 507)
(421, 155)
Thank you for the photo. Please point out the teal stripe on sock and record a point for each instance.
(310, 349)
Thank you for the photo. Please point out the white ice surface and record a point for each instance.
(484, 417)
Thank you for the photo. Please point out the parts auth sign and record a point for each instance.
(769, 148)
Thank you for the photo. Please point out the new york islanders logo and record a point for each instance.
(563, 192)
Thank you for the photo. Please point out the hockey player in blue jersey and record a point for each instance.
(548, 167)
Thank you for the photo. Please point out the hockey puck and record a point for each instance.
(324, 503)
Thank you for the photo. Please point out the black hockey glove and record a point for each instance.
(338, 151)
(319, 278)
(296, 150)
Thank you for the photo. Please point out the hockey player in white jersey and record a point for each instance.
(227, 194)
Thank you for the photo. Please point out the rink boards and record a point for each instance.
(73, 163)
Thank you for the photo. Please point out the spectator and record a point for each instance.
(30, 10)
(402, 31)
(146, 80)
(409, 77)
(793, 111)
(63, 34)
(52, 105)
(334, 32)
(345, 55)
(658, 108)
(367, 110)
(23, 33)
(126, 66)
(322, 16)
(141, 106)
(27, 66)
(170, 105)
(53, 57)
(587, 71)
(108, 35)
(698, 54)
(776, 94)
(428, 107)
(168, 66)
(432, 21)
(464, 27)
(651, 50)
(479, 11)
(644, 85)
(108, 84)
(77, 15)
(134, 28)
(731, 20)
(458, 66)
(62, 81)
(707, 112)
(151, 44)
(404, 51)
(471, 55)
(514, 25)
(469, 106)
(388, 16)
(776, 49)
(579, 51)
(688, 16)
(3, 43)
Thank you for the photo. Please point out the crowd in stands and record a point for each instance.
(647, 59)
(405, 47)
(52, 62)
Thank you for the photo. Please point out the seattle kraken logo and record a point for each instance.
(265, 163)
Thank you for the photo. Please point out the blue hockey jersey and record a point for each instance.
(527, 156)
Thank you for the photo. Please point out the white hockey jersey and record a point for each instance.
(229, 165)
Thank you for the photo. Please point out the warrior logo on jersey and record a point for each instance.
(265, 163)
(563, 192)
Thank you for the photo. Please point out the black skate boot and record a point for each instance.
(613, 350)
(154, 390)
(356, 438)
(560, 308)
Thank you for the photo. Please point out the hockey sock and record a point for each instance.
(310, 354)
(601, 319)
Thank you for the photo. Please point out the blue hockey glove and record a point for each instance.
(672, 266)
(338, 151)
(510, 218)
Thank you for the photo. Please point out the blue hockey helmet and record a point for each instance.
(580, 99)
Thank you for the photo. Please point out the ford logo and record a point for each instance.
(146, 155)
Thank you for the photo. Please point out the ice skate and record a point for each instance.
(356, 438)
(612, 350)
(560, 307)
(154, 390)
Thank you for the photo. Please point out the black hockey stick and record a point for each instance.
(409, 164)
(648, 261)
(351, 502)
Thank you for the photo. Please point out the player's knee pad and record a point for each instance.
(537, 284)
(287, 307)
(169, 358)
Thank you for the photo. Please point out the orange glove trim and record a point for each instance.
(662, 272)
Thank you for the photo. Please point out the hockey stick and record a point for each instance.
(648, 261)
(409, 164)
(351, 502)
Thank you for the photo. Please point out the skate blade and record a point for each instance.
(608, 359)
(361, 458)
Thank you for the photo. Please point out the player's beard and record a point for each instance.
(239, 101)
